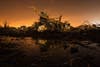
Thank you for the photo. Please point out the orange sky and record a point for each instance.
(25, 12)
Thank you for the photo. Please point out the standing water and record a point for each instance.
(29, 52)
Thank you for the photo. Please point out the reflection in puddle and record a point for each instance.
(48, 53)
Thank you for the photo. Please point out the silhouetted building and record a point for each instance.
(43, 17)
(6, 24)
(51, 24)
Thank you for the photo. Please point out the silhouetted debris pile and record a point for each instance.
(50, 28)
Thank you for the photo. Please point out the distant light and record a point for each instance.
(97, 23)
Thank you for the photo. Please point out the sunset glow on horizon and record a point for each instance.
(26, 12)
